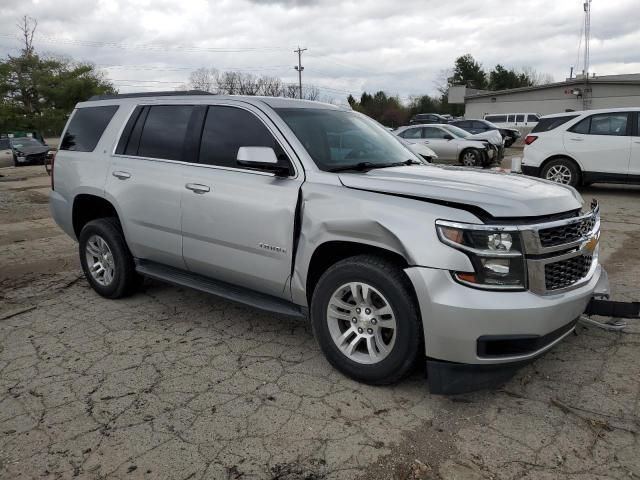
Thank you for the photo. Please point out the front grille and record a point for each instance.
(566, 272)
(36, 158)
(551, 237)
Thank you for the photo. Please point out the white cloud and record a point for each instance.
(400, 47)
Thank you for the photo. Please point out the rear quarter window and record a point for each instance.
(548, 124)
(86, 127)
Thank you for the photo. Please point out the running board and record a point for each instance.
(220, 289)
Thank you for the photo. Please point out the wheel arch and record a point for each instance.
(563, 156)
(87, 207)
(330, 252)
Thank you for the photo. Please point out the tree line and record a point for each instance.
(392, 112)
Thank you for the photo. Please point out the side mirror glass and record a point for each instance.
(263, 158)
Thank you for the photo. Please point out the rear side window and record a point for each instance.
(511, 118)
(164, 131)
(548, 124)
(86, 127)
(226, 129)
(519, 118)
(614, 124)
(496, 118)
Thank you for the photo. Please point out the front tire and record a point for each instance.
(365, 319)
(106, 260)
(562, 170)
(470, 158)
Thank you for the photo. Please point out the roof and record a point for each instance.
(592, 112)
(575, 81)
(204, 97)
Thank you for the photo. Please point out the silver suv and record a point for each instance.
(307, 209)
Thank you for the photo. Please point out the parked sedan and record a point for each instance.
(27, 150)
(491, 136)
(447, 146)
(427, 118)
(510, 135)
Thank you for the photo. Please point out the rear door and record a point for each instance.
(146, 181)
(237, 222)
(601, 143)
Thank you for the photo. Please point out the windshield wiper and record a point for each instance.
(361, 166)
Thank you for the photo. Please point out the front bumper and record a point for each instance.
(475, 338)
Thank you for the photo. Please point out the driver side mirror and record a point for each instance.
(263, 158)
(448, 136)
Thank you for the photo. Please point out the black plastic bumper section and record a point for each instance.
(531, 171)
(609, 308)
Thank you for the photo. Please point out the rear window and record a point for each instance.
(548, 124)
(86, 127)
(496, 118)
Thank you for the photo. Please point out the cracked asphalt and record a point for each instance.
(176, 384)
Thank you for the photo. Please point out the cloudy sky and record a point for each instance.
(401, 47)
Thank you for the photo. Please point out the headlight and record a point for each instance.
(496, 255)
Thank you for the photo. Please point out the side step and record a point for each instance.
(220, 289)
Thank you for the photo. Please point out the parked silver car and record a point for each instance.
(449, 147)
(306, 209)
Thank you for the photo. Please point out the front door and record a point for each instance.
(601, 143)
(238, 223)
(434, 138)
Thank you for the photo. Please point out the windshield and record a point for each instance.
(338, 139)
(25, 142)
(457, 131)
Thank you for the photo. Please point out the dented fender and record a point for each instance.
(405, 226)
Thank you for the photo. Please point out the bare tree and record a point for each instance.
(203, 79)
(27, 27)
(537, 78)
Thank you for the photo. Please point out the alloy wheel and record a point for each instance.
(469, 159)
(361, 322)
(100, 260)
(559, 174)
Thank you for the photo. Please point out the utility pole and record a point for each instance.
(299, 68)
(586, 93)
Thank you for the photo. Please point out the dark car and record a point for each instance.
(510, 135)
(28, 151)
(427, 118)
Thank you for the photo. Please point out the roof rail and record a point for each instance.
(149, 94)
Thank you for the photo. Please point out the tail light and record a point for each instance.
(529, 139)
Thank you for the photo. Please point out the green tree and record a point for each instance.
(467, 71)
(39, 93)
(501, 78)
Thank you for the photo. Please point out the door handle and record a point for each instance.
(426, 141)
(121, 175)
(577, 139)
(197, 188)
(636, 141)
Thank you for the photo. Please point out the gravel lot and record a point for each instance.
(175, 384)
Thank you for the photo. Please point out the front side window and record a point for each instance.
(226, 129)
(164, 131)
(86, 127)
(412, 133)
(532, 118)
(368, 143)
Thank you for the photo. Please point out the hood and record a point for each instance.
(499, 194)
(492, 136)
(32, 150)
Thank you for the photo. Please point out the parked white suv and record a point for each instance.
(306, 209)
(580, 148)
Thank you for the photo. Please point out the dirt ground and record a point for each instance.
(176, 384)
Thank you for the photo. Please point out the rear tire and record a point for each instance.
(106, 260)
(561, 170)
(373, 336)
